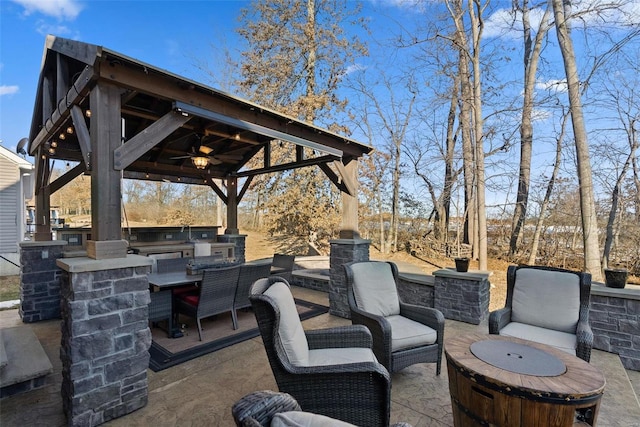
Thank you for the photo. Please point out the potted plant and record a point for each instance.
(615, 277)
(462, 264)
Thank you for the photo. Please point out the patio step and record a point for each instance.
(24, 365)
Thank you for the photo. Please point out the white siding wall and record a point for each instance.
(10, 206)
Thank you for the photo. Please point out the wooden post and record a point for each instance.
(349, 226)
(43, 204)
(106, 136)
(232, 206)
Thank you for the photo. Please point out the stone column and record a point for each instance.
(462, 296)
(343, 251)
(239, 241)
(40, 280)
(105, 337)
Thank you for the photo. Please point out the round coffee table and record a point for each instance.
(505, 381)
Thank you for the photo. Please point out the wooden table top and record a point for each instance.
(580, 379)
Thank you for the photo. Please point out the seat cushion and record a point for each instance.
(407, 333)
(290, 331)
(340, 356)
(374, 288)
(561, 340)
(190, 299)
(548, 299)
(305, 419)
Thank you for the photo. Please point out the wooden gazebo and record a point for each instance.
(121, 118)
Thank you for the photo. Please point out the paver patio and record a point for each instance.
(200, 392)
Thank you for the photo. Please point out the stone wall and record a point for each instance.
(105, 337)
(40, 280)
(343, 251)
(614, 317)
(462, 296)
(417, 289)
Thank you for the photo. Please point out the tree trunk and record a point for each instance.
(587, 200)
(547, 196)
(477, 24)
(531, 59)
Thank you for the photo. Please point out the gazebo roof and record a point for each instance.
(166, 120)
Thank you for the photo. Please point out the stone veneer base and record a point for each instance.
(105, 337)
(462, 296)
(614, 316)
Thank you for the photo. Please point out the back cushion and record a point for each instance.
(548, 299)
(374, 288)
(290, 328)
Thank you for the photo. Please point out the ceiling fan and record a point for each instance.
(201, 154)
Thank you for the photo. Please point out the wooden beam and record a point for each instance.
(82, 133)
(245, 187)
(287, 166)
(218, 191)
(346, 179)
(130, 151)
(334, 178)
(169, 88)
(51, 123)
(67, 177)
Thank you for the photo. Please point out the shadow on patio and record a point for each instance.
(201, 392)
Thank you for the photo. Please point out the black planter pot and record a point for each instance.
(615, 277)
(462, 264)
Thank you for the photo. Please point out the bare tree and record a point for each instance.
(532, 51)
(562, 16)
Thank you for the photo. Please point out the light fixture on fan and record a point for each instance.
(200, 162)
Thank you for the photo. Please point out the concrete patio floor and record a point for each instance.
(201, 392)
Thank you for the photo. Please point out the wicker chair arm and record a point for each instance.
(498, 319)
(339, 337)
(584, 341)
(258, 408)
(425, 315)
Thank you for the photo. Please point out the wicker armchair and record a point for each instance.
(357, 392)
(547, 305)
(418, 332)
(257, 409)
(217, 293)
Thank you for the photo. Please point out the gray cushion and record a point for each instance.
(290, 328)
(374, 288)
(340, 356)
(561, 340)
(407, 333)
(548, 299)
(305, 419)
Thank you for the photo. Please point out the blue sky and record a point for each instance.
(166, 34)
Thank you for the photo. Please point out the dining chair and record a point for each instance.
(249, 273)
(282, 265)
(217, 293)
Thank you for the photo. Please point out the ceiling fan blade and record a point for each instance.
(213, 161)
(205, 150)
(180, 157)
